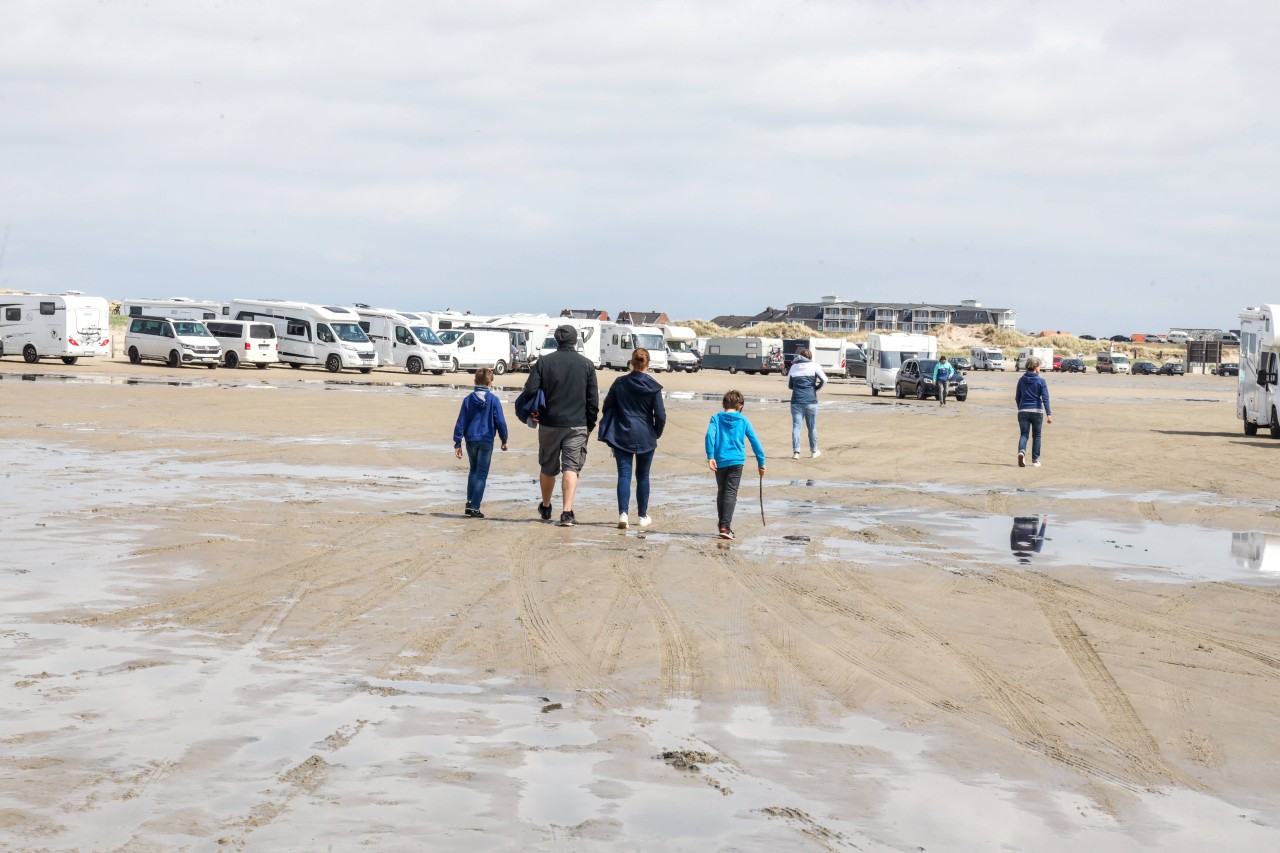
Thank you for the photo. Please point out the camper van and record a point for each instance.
(750, 355)
(67, 326)
(469, 348)
(618, 341)
(243, 342)
(173, 340)
(1177, 336)
(528, 335)
(1045, 354)
(1258, 391)
(989, 358)
(179, 307)
(680, 348)
(327, 336)
(401, 339)
(887, 351)
(1111, 362)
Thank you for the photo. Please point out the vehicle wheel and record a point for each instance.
(1249, 428)
(875, 392)
(134, 358)
(29, 354)
(961, 397)
(455, 367)
(438, 372)
(414, 365)
(500, 368)
(295, 365)
(231, 359)
(1275, 424)
(175, 360)
(733, 369)
(70, 359)
(921, 394)
(898, 391)
(366, 370)
(333, 363)
(262, 365)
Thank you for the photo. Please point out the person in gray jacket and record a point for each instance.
(804, 379)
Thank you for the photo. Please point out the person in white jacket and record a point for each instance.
(804, 379)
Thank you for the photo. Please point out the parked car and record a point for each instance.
(1072, 365)
(855, 363)
(1145, 368)
(915, 378)
(962, 362)
(1229, 368)
(173, 341)
(1172, 368)
(1057, 362)
(1120, 339)
(1087, 338)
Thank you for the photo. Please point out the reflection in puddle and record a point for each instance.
(1027, 536)
(1259, 552)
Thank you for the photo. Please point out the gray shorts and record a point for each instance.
(561, 447)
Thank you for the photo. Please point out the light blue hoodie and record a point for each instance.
(726, 435)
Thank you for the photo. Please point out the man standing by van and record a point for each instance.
(567, 381)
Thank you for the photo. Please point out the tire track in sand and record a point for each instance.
(681, 666)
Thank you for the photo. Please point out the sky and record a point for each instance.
(1100, 167)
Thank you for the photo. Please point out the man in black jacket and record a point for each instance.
(568, 382)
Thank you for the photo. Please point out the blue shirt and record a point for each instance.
(726, 435)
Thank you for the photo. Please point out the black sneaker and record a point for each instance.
(544, 511)
(475, 513)
(566, 518)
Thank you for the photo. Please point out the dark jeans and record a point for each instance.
(942, 391)
(479, 453)
(642, 463)
(727, 480)
(1031, 422)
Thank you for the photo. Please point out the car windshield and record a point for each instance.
(191, 330)
(927, 366)
(894, 360)
(680, 346)
(1119, 359)
(426, 336)
(650, 342)
(448, 336)
(350, 332)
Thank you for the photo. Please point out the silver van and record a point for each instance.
(175, 342)
(245, 342)
(1112, 362)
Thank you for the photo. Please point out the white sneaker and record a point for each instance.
(1035, 464)
(817, 453)
(645, 521)
(622, 521)
(795, 454)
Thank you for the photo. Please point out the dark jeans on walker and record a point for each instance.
(727, 480)
(643, 462)
(942, 391)
(1030, 422)
(479, 454)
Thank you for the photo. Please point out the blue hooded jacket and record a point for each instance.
(479, 418)
(726, 435)
(804, 379)
(1033, 393)
(633, 415)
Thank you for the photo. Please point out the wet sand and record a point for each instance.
(242, 610)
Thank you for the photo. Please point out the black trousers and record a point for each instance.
(727, 480)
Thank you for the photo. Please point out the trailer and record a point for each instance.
(1258, 387)
(401, 339)
(749, 354)
(619, 340)
(1045, 354)
(828, 353)
(327, 336)
(69, 326)
(887, 351)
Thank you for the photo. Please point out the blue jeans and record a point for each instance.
(642, 463)
(479, 453)
(1030, 422)
(809, 413)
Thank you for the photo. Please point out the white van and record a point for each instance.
(327, 336)
(990, 358)
(619, 340)
(176, 306)
(401, 339)
(174, 341)
(680, 342)
(1111, 362)
(243, 342)
(470, 348)
(887, 351)
(1044, 354)
(69, 326)
(1258, 391)
(1177, 336)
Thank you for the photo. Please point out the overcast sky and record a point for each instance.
(1099, 166)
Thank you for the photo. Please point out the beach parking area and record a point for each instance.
(242, 610)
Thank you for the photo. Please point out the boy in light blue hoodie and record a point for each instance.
(479, 419)
(726, 455)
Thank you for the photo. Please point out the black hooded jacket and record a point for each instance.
(568, 381)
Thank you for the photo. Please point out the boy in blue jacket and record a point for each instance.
(479, 419)
(726, 455)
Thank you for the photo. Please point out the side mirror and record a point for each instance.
(1263, 376)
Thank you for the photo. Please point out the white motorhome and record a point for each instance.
(887, 351)
(327, 336)
(468, 348)
(68, 326)
(1045, 354)
(989, 358)
(401, 339)
(618, 341)
(1258, 391)
(177, 307)
(528, 336)
(748, 354)
(681, 341)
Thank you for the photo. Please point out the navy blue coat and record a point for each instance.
(633, 417)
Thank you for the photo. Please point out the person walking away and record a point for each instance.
(1032, 396)
(480, 418)
(726, 454)
(942, 373)
(804, 379)
(567, 380)
(631, 422)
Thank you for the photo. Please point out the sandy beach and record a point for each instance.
(243, 611)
